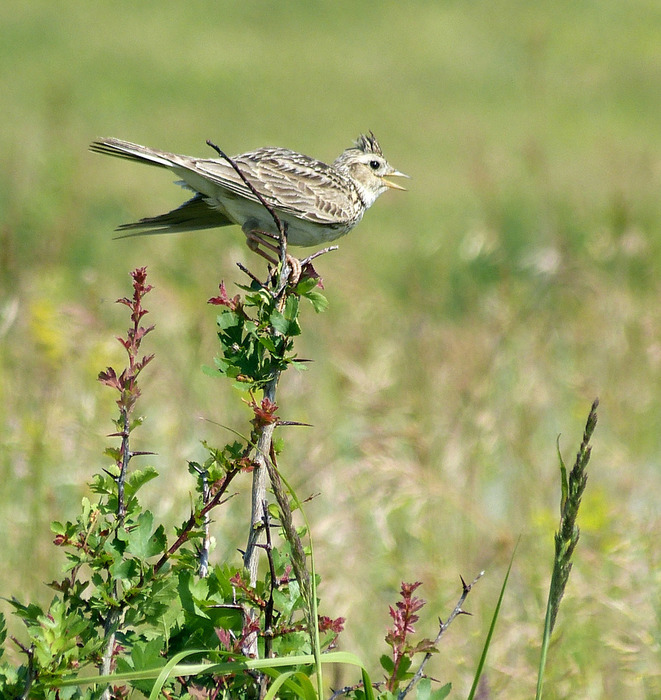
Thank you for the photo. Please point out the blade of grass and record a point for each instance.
(305, 690)
(492, 627)
(167, 669)
(314, 632)
(179, 669)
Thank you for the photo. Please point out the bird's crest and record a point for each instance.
(367, 143)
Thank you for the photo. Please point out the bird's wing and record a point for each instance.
(291, 182)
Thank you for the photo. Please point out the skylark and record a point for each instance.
(317, 202)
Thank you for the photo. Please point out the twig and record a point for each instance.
(203, 554)
(249, 185)
(263, 448)
(194, 519)
(297, 551)
(348, 689)
(253, 277)
(323, 251)
(268, 610)
(31, 674)
(280, 225)
(257, 509)
(458, 610)
(110, 631)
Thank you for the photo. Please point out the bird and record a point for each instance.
(317, 202)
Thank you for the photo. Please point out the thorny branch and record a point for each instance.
(126, 384)
(195, 518)
(443, 626)
(268, 610)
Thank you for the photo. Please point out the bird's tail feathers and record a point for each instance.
(135, 152)
(193, 215)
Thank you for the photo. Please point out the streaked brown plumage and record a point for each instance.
(319, 202)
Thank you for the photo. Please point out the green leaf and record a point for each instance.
(147, 655)
(113, 453)
(387, 663)
(318, 301)
(124, 569)
(259, 297)
(190, 591)
(145, 542)
(424, 646)
(303, 689)
(228, 319)
(210, 371)
(274, 511)
(287, 321)
(291, 308)
(138, 478)
(404, 666)
(104, 483)
(28, 613)
(441, 693)
(136, 422)
(57, 528)
(306, 285)
(279, 322)
(268, 343)
(423, 689)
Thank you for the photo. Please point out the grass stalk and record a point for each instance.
(566, 538)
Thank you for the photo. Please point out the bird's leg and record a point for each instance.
(257, 241)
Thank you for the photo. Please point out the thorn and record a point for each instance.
(254, 278)
(464, 584)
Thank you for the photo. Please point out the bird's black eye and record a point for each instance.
(374, 164)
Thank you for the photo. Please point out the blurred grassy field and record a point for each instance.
(471, 321)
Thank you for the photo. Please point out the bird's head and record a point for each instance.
(368, 168)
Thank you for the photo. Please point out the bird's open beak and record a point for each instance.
(394, 185)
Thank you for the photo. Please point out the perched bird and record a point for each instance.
(317, 202)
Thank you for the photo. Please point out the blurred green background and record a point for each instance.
(472, 319)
